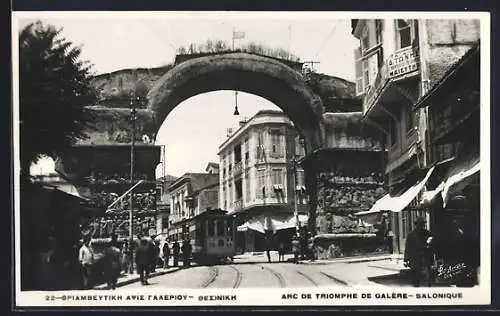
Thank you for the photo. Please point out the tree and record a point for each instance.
(54, 88)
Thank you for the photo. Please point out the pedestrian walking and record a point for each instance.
(390, 241)
(142, 260)
(295, 249)
(281, 251)
(268, 248)
(186, 252)
(86, 258)
(418, 254)
(126, 257)
(153, 255)
(112, 266)
(176, 249)
(166, 255)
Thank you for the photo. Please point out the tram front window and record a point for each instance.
(221, 229)
(229, 228)
(210, 227)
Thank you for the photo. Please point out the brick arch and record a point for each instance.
(259, 75)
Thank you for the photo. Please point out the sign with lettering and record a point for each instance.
(398, 64)
(402, 62)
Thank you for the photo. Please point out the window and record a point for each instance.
(300, 178)
(261, 178)
(229, 227)
(238, 187)
(366, 75)
(371, 35)
(164, 222)
(221, 227)
(230, 193)
(247, 188)
(403, 33)
(237, 153)
(277, 176)
(276, 144)
(358, 63)
(224, 196)
(378, 31)
(394, 132)
(210, 227)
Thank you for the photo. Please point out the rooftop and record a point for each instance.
(249, 122)
(197, 181)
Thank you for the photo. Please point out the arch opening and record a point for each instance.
(256, 75)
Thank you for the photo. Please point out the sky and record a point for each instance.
(193, 132)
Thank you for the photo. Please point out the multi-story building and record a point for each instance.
(396, 64)
(453, 198)
(258, 180)
(185, 194)
(163, 205)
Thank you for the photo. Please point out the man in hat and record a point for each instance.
(418, 254)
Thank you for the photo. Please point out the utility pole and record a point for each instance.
(133, 113)
(295, 206)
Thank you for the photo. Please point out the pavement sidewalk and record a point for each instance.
(365, 272)
(126, 279)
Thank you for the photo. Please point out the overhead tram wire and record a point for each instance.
(334, 28)
(160, 37)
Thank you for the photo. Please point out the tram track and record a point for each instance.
(307, 277)
(277, 275)
(214, 273)
(238, 278)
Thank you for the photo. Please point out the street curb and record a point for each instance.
(136, 279)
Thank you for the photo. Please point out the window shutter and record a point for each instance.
(373, 67)
(358, 62)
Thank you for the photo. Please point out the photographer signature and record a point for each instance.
(450, 271)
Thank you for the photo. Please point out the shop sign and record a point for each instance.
(402, 62)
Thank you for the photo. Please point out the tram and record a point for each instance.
(211, 234)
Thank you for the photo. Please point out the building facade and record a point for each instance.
(185, 195)
(396, 64)
(258, 181)
(163, 205)
(453, 198)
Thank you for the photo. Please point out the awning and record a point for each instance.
(453, 183)
(272, 222)
(398, 203)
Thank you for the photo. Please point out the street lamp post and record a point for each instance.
(133, 113)
(295, 200)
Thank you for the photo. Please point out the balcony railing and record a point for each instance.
(238, 204)
(398, 65)
(238, 168)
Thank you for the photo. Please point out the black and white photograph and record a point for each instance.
(251, 158)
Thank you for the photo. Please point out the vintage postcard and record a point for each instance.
(251, 158)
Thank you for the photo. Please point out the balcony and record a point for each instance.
(403, 64)
(238, 204)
